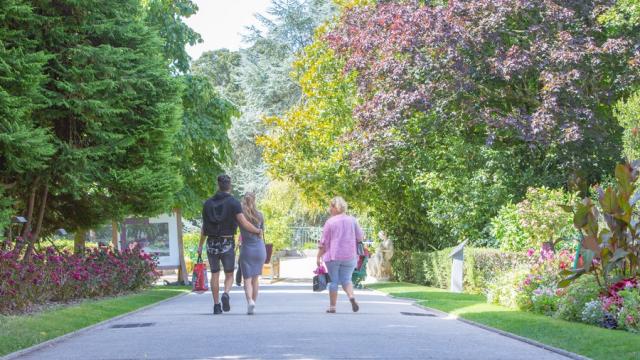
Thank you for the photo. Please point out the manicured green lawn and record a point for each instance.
(19, 332)
(590, 341)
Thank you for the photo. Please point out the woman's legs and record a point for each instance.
(334, 270)
(248, 289)
(250, 292)
(346, 272)
(256, 284)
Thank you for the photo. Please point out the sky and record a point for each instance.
(221, 23)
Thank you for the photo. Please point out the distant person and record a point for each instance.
(337, 249)
(221, 215)
(252, 252)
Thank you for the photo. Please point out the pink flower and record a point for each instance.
(530, 252)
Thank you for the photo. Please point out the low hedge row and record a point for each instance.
(481, 266)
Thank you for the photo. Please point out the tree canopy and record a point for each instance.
(437, 114)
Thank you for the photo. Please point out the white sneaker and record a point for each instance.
(250, 308)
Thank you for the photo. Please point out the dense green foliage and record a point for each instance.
(97, 123)
(25, 148)
(535, 221)
(167, 18)
(437, 115)
(114, 109)
(203, 145)
(628, 114)
(481, 266)
(610, 230)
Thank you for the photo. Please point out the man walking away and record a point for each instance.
(221, 215)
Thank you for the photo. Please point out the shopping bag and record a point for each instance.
(321, 279)
(269, 249)
(199, 278)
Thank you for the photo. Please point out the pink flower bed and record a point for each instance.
(50, 276)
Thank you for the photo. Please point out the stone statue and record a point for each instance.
(379, 266)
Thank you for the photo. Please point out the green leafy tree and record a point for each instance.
(265, 78)
(203, 146)
(25, 148)
(167, 17)
(623, 19)
(628, 114)
(221, 67)
(456, 110)
(113, 107)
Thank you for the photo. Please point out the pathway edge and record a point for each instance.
(535, 343)
(54, 341)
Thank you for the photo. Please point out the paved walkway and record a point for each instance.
(290, 323)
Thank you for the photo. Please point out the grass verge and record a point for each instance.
(586, 340)
(22, 331)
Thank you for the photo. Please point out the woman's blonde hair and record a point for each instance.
(250, 210)
(339, 204)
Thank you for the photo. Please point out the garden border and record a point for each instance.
(51, 342)
(535, 343)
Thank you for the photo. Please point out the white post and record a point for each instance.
(457, 268)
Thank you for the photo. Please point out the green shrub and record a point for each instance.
(190, 242)
(578, 294)
(629, 316)
(63, 244)
(535, 220)
(481, 266)
(505, 227)
(506, 290)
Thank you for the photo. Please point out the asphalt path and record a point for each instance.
(290, 323)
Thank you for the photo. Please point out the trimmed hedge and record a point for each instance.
(481, 265)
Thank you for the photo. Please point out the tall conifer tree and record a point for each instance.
(114, 109)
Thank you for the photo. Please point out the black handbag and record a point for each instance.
(320, 282)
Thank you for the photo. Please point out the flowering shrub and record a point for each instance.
(53, 276)
(536, 220)
(506, 289)
(541, 283)
(578, 294)
(593, 313)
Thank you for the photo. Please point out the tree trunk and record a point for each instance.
(183, 277)
(78, 242)
(114, 235)
(32, 203)
(35, 237)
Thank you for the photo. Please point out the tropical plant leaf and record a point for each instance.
(618, 255)
(587, 257)
(623, 176)
(580, 217)
(609, 201)
(590, 242)
(569, 279)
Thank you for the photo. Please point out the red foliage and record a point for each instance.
(50, 276)
(542, 69)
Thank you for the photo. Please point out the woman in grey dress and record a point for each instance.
(252, 251)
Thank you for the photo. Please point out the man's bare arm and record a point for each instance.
(202, 238)
(245, 224)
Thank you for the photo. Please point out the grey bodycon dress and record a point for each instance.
(252, 253)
